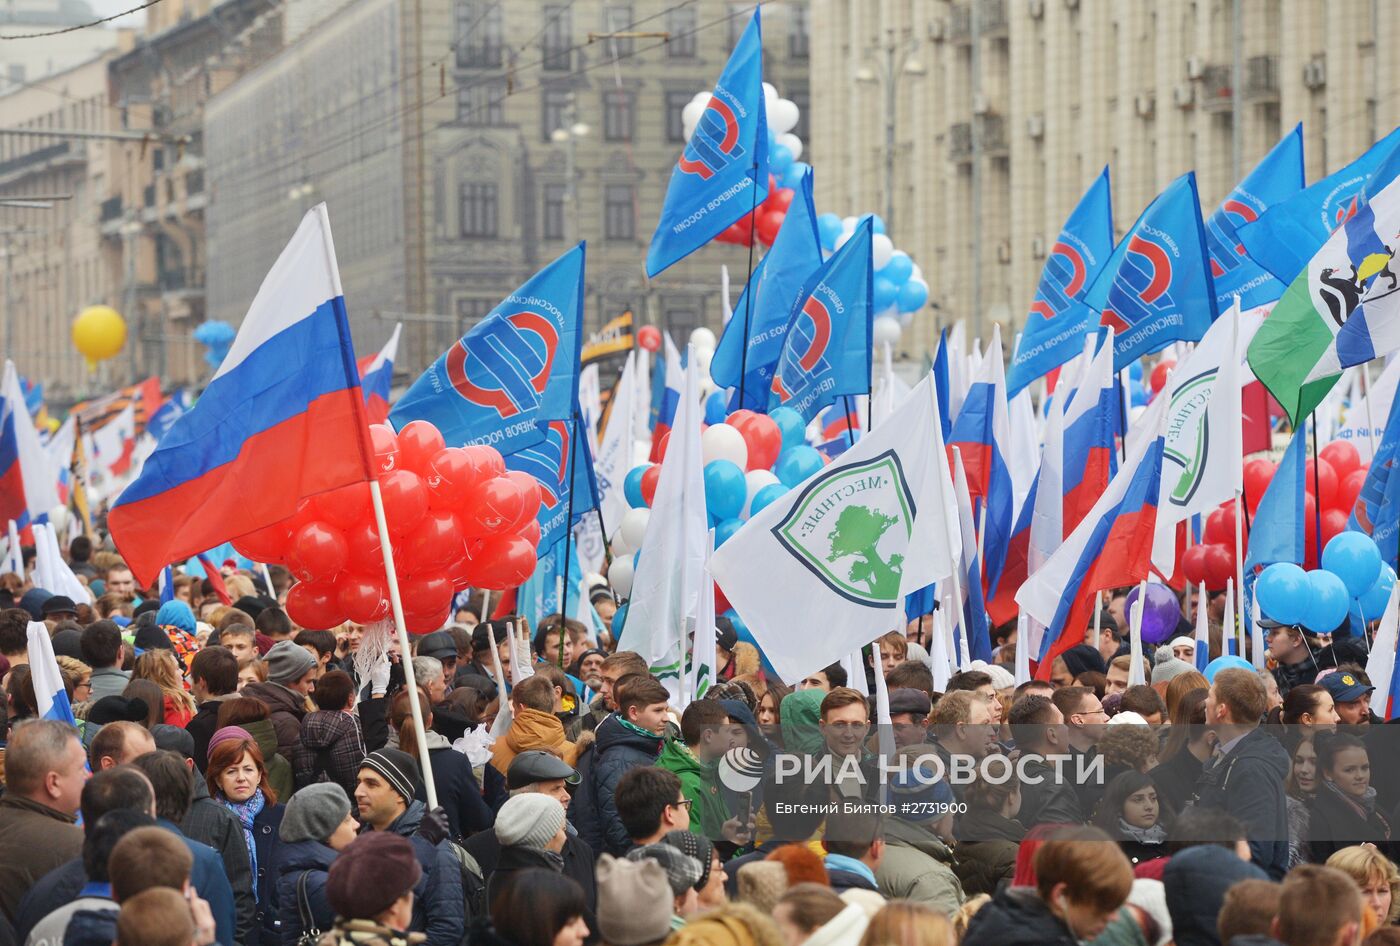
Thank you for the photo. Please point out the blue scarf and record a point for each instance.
(246, 812)
(850, 864)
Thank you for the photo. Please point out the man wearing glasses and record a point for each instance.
(1086, 720)
(845, 722)
(651, 804)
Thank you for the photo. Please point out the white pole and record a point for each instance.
(1366, 396)
(485, 606)
(1135, 671)
(1239, 556)
(982, 531)
(405, 648)
(1098, 622)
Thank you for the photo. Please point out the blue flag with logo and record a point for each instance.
(1058, 319)
(1276, 178)
(563, 465)
(941, 386)
(1156, 288)
(1287, 235)
(826, 344)
(723, 172)
(514, 372)
(760, 317)
(1377, 509)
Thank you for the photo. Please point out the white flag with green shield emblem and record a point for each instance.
(824, 570)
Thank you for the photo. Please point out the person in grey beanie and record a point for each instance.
(316, 827)
(633, 907)
(1168, 668)
(531, 830)
(291, 676)
(682, 873)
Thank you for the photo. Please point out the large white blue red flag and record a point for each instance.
(723, 172)
(28, 481)
(517, 369)
(282, 418)
(668, 393)
(377, 378)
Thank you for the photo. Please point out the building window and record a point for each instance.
(554, 111)
(552, 226)
(479, 210)
(479, 34)
(558, 28)
(675, 119)
(617, 18)
(482, 103)
(681, 25)
(799, 43)
(15, 71)
(617, 114)
(619, 216)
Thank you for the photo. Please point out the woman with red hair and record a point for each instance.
(237, 779)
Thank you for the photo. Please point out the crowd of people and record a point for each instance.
(233, 779)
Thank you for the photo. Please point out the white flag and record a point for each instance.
(51, 572)
(824, 570)
(617, 453)
(666, 590)
(1364, 424)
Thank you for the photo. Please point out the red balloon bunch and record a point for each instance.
(456, 518)
(765, 220)
(761, 435)
(1213, 561)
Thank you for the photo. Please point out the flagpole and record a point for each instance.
(1317, 490)
(405, 649)
(1122, 416)
(1239, 552)
(949, 524)
(748, 291)
(569, 528)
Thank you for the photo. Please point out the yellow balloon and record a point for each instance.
(99, 332)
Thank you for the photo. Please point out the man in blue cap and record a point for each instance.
(1351, 694)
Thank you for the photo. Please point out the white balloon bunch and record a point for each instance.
(784, 148)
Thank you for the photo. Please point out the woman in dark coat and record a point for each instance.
(1344, 811)
(988, 837)
(1133, 814)
(237, 779)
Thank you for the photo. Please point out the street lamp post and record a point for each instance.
(888, 75)
(568, 136)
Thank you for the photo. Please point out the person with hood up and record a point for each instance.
(918, 865)
(694, 758)
(814, 915)
(316, 827)
(988, 836)
(1196, 880)
(459, 794)
(533, 725)
(332, 744)
(291, 676)
(176, 621)
(1081, 880)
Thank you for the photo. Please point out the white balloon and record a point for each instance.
(886, 330)
(723, 442)
(634, 526)
(841, 240)
(770, 95)
(792, 143)
(703, 338)
(917, 273)
(906, 319)
(782, 115)
(848, 224)
(620, 576)
(755, 480)
(881, 249)
(702, 97)
(703, 357)
(619, 544)
(692, 112)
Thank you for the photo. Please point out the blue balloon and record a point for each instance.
(883, 294)
(716, 408)
(1327, 602)
(795, 464)
(1135, 370)
(1354, 558)
(726, 529)
(619, 619)
(1373, 602)
(1139, 396)
(790, 422)
(766, 497)
(828, 228)
(632, 486)
(912, 296)
(1282, 592)
(1226, 662)
(899, 268)
(725, 489)
(877, 223)
(779, 159)
(792, 177)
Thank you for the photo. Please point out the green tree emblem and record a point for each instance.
(858, 531)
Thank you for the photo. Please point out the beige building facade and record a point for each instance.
(1003, 111)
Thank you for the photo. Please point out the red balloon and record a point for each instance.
(1257, 476)
(268, 544)
(314, 605)
(386, 446)
(434, 543)
(1328, 483)
(487, 459)
(649, 337)
(780, 199)
(405, 500)
(1310, 552)
(426, 594)
(452, 474)
(504, 561)
(531, 497)
(1342, 456)
(1220, 566)
(764, 440)
(365, 556)
(493, 508)
(363, 598)
(1220, 525)
(318, 551)
(347, 506)
(767, 224)
(1193, 564)
(1334, 522)
(1158, 378)
(530, 532)
(424, 623)
(1351, 488)
(661, 446)
(650, 478)
(737, 419)
(419, 442)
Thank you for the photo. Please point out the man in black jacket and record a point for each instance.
(1245, 775)
(629, 738)
(1046, 767)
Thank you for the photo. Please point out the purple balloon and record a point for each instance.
(1160, 613)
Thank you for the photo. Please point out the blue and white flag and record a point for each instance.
(49, 693)
(514, 373)
(563, 466)
(167, 585)
(723, 172)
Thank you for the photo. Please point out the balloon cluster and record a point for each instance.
(1352, 580)
(751, 460)
(217, 337)
(784, 169)
(899, 289)
(457, 518)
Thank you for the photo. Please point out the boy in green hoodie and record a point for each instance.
(694, 759)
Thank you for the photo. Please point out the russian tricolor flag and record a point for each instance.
(1091, 419)
(670, 398)
(49, 692)
(1112, 546)
(283, 418)
(28, 483)
(982, 432)
(377, 378)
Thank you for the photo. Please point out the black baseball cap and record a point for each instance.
(536, 765)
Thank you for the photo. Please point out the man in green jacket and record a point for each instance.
(694, 759)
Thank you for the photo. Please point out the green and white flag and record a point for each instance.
(1295, 352)
(824, 570)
